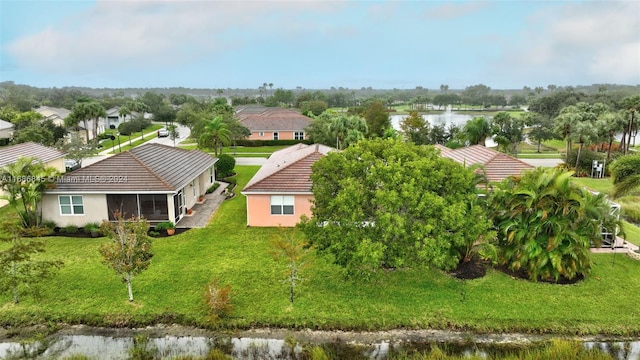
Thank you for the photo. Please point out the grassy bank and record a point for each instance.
(171, 290)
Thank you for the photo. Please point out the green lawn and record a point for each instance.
(171, 290)
(124, 139)
(604, 185)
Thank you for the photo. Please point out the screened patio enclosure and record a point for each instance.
(154, 207)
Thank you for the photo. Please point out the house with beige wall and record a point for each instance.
(268, 123)
(154, 181)
(280, 192)
(49, 157)
(6, 131)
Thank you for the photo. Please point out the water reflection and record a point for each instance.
(106, 347)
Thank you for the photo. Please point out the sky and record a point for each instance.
(504, 44)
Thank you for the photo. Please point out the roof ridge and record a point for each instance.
(144, 165)
(283, 168)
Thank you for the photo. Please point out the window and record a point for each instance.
(71, 205)
(212, 175)
(261, 133)
(275, 136)
(281, 205)
(298, 135)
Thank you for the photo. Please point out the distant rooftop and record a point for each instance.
(497, 165)
(9, 154)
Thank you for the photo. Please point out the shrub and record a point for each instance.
(225, 165)
(133, 125)
(218, 301)
(213, 187)
(36, 231)
(624, 167)
(154, 233)
(49, 224)
(258, 143)
(586, 160)
(70, 229)
(164, 226)
(91, 227)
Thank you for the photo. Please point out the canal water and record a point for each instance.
(64, 345)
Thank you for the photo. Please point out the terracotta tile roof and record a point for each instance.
(257, 118)
(9, 154)
(498, 165)
(287, 170)
(149, 167)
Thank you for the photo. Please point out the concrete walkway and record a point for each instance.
(621, 246)
(203, 212)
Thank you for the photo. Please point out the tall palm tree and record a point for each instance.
(608, 125)
(477, 130)
(216, 134)
(79, 112)
(95, 111)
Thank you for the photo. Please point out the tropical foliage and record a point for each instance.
(391, 204)
(24, 183)
(216, 134)
(626, 174)
(546, 224)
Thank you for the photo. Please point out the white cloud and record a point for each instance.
(153, 34)
(581, 43)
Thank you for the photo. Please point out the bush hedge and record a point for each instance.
(258, 143)
(225, 165)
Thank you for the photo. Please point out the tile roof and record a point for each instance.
(498, 166)
(9, 154)
(5, 125)
(259, 118)
(149, 167)
(287, 170)
(52, 113)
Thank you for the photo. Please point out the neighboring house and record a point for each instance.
(154, 181)
(280, 192)
(114, 119)
(267, 123)
(57, 115)
(498, 166)
(6, 130)
(50, 157)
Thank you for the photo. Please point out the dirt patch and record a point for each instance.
(469, 270)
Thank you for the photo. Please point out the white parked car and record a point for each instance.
(163, 132)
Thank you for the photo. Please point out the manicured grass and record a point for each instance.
(604, 185)
(135, 143)
(152, 129)
(171, 290)
(632, 233)
(559, 145)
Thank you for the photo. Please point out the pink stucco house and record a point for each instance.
(268, 123)
(280, 192)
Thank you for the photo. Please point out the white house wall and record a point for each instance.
(95, 210)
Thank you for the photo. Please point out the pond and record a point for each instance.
(121, 344)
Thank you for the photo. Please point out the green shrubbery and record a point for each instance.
(225, 165)
(133, 125)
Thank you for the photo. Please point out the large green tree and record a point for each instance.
(546, 224)
(377, 118)
(385, 203)
(509, 131)
(415, 128)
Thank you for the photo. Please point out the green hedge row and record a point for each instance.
(257, 143)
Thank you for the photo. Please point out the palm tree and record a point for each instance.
(24, 182)
(546, 224)
(631, 104)
(95, 111)
(80, 111)
(608, 125)
(477, 130)
(216, 134)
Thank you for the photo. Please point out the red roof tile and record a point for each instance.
(498, 166)
(287, 170)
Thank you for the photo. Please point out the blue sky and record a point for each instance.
(319, 44)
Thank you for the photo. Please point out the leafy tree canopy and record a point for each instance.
(385, 203)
